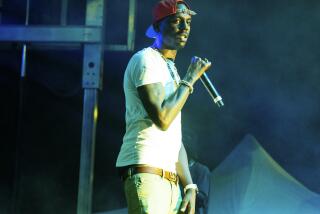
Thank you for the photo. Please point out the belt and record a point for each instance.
(152, 170)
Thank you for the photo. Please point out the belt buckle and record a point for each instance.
(172, 176)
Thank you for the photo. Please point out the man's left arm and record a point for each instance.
(189, 200)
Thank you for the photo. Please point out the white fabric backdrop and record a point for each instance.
(249, 181)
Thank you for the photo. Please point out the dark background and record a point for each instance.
(266, 65)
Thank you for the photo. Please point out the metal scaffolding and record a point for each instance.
(91, 36)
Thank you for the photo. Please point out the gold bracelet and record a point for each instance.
(186, 83)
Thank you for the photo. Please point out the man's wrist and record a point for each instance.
(191, 187)
(188, 84)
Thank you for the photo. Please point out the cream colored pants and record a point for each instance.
(151, 194)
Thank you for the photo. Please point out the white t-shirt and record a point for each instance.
(144, 142)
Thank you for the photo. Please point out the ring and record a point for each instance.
(206, 60)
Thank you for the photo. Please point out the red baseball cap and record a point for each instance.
(163, 9)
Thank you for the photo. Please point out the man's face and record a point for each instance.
(175, 29)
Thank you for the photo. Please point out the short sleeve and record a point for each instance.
(147, 70)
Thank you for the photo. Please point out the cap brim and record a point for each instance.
(150, 32)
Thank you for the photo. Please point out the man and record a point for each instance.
(200, 173)
(201, 176)
(152, 158)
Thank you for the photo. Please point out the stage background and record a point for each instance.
(266, 66)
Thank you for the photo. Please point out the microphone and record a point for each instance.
(211, 90)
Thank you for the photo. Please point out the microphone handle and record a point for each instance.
(212, 91)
